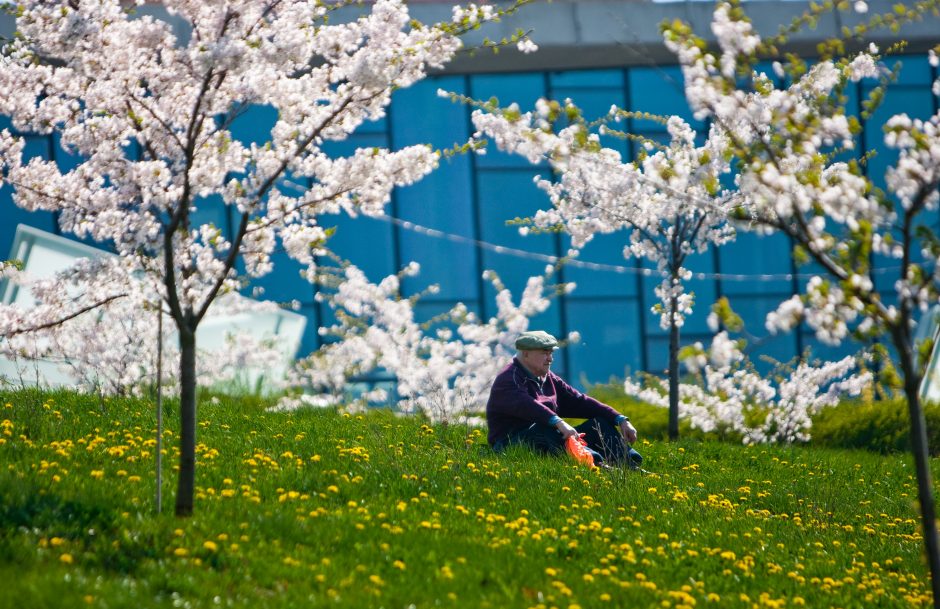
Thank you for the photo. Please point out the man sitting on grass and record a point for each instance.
(527, 403)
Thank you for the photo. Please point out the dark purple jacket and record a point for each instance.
(517, 400)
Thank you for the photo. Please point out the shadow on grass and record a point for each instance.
(92, 526)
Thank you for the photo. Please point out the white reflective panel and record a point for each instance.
(44, 254)
(929, 326)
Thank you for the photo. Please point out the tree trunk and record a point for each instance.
(922, 469)
(673, 373)
(187, 474)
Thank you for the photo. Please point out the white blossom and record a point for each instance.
(731, 397)
(442, 373)
(526, 46)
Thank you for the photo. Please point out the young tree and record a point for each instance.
(787, 142)
(150, 117)
(668, 202)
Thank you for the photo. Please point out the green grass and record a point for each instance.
(318, 509)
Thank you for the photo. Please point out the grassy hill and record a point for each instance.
(319, 509)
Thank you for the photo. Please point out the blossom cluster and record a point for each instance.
(731, 397)
(442, 369)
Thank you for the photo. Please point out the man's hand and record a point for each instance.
(566, 430)
(628, 431)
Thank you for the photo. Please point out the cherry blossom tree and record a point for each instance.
(789, 144)
(668, 202)
(149, 115)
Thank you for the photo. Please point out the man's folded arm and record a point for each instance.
(509, 399)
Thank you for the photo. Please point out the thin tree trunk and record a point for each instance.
(159, 498)
(922, 469)
(673, 374)
(187, 474)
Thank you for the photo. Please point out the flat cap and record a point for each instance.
(536, 339)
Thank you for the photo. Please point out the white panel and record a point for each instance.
(44, 254)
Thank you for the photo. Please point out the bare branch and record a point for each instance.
(68, 317)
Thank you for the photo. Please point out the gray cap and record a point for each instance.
(536, 339)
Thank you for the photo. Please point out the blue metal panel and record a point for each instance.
(587, 78)
(610, 345)
(915, 71)
(755, 255)
(441, 203)
(310, 340)
(442, 200)
(427, 118)
(607, 250)
(355, 141)
(659, 90)
(505, 195)
(64, 158)
(285, 282)
(366, 242)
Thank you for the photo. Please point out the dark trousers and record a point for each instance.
(603, 440)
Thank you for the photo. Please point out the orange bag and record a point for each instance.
(577, 448)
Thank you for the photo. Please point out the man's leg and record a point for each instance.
(541, 438)
(603, 437)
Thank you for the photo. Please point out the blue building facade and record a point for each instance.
(470, 198)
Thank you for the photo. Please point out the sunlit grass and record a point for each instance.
(316, 508)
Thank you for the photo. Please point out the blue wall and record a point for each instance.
(473, 196)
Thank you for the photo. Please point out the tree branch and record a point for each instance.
(62, 320)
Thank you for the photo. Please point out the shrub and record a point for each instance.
(882, 426)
